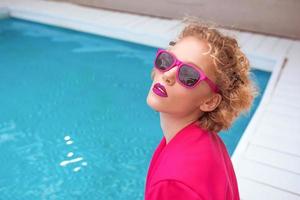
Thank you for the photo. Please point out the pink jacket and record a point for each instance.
(194, 165)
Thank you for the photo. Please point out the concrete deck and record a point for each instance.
(267, 158)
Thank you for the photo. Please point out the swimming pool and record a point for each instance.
(74, 121)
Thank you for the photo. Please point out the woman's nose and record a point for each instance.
(170, 76)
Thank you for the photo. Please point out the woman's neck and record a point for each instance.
(171, 124)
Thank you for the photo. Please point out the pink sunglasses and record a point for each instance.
(188, 74)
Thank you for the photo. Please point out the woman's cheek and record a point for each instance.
(181, 96)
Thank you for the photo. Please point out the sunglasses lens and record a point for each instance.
(163, 61)
(188, 75)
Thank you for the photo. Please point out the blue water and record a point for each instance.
(69, 95)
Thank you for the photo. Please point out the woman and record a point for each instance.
(200, 85)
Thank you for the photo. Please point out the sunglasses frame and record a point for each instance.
(180, 63)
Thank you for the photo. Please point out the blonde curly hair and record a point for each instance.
(232, 71)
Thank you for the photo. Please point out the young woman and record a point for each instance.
(200, 85)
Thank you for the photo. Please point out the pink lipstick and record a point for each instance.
(160, 90)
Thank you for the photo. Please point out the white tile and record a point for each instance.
(283, 125)
(273, 158)
(243, 38)
(282, 47)
(251, 190)
(282, 143)
(271, 176)
(267, 46)
(253, 43)
(294, 50)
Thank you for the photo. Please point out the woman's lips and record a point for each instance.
(160, 90)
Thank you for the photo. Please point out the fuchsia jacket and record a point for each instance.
(194, 165)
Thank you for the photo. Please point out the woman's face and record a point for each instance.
(182, 101)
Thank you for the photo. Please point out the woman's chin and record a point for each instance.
(155, 102)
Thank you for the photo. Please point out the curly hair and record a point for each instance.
(232, 69)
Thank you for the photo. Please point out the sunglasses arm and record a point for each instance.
(211, 85)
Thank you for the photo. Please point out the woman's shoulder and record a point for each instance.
(194, 160)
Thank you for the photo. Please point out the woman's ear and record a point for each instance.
(211, 103)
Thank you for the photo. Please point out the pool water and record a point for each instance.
(74, 121)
